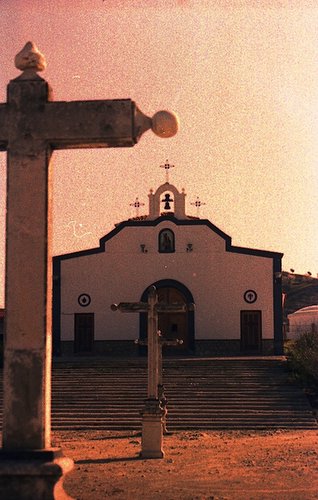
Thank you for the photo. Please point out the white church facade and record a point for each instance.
(236, 291)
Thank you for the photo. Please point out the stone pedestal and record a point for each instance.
(152, 427)
(33, 475)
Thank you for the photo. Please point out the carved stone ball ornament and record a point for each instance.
(30, 58)
(165, 123)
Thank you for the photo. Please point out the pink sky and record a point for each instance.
(244, 82)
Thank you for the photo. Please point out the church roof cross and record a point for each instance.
(167, 166)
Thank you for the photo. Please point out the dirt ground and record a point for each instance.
(235, 465)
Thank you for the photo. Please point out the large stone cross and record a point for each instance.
(153, 414)
(32, 125)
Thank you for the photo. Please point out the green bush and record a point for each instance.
(303, 357)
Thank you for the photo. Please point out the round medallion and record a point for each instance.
(250, 296)
(84, 300)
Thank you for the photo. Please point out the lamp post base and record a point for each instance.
(33, 474)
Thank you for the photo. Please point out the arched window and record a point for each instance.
(166, 241)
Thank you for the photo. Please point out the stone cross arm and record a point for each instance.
(162, 342)
(160, 307)
(74, 124)
(130, 307)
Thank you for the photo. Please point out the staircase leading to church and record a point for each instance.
(211, 394)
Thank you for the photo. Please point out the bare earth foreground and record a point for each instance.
(197, 465)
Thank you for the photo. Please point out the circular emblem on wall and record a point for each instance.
(250, 296)
(84, 300)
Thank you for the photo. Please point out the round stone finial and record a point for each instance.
(165, 123)
(30, 58)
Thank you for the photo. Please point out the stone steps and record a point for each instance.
(206, 394)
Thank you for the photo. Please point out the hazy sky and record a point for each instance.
(244, 81)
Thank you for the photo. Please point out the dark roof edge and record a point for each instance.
(255, 251)
(178, 222)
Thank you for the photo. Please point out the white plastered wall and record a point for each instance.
(217, 280)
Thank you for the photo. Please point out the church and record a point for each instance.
(232, 295)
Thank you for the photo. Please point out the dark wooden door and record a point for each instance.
(251, 331)
(173, 325)
(83, 333)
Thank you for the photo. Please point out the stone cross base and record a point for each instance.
(30, 475)
(152, 426)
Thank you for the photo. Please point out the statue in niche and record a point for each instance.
(166, 241)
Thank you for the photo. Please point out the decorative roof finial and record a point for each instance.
(30, 59)
(165, 123)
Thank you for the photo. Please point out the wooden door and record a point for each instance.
(251, 331)
(83, 333)
(173, 325)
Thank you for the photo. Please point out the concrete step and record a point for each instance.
(211, 394)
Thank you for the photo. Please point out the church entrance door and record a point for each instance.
(251, 331)
(83, 333)
(173, 325)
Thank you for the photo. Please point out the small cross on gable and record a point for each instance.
(197, 203)
(137, 204)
